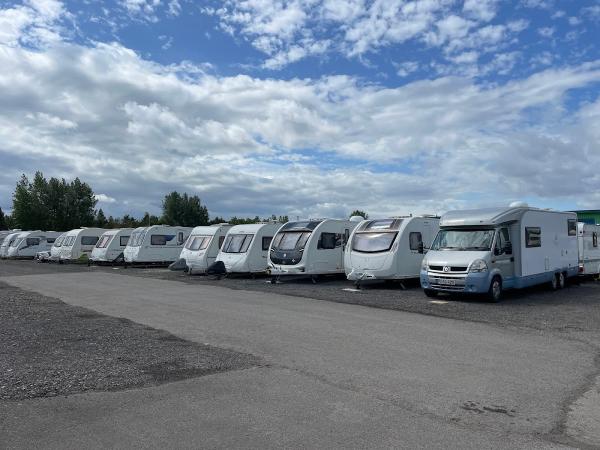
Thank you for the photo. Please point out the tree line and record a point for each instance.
(56, 204)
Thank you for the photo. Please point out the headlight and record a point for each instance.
(478, 265)
(424, 264)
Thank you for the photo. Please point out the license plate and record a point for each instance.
(447, 282)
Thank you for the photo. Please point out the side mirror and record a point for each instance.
(421, 248)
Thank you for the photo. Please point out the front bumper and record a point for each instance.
(475, 283)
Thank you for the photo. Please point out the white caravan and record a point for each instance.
(28, 243)
(589, 251)
(79, 243)
(55, 250)
(389, 249)
(5, 233)
(202, 247)
(157, 244)
(311, 247)
(8, 240)
(111, 245)
(246, 247)
(489, 250)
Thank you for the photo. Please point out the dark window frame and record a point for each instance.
(528, 232)
(267, 240)
(410, 240)
(121, 240)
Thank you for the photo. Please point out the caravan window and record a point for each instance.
(123, 240)
(533, 237)
(266, 242)
(572, 227)
(89, 240)
(415, 240)
(15, 242)
(50, 240)
(180, 238)
(198, 242)
(160, 239)
(328, 241)
(595, 239)
(69, 241)
(291, 240)
(373, 242)
(58, 241)
(237, 243)
(30, 242)
(221, 239)
(104, 240)
(383, 224)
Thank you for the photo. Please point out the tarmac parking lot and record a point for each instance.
(246, 363)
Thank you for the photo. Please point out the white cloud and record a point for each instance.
(546, 32)
(406, 68)
(103, 198)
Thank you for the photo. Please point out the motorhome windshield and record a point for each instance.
(198, 242)
(464, 240)
(237, 243)
(291, 240)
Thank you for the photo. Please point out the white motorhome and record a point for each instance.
(311, 247)
(28, 243)
(246, 247)
(111, 245)
(490, 250)
(157, 244)
(202, 247)
(389, 249)
(79, 243)
(8, 240)
(589, 251)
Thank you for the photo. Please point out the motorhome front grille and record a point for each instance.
(452, 268)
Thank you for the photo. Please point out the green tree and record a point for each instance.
(100, 219)
(22, 204)
(358, 212)
(3, 225)
(184, 210)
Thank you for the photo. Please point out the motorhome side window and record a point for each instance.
(415, 239)
(572, 227)
(89, 240)
(328, 241)
(533, 237)
(266, 241)
(595, 239)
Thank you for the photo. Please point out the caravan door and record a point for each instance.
(503, 255)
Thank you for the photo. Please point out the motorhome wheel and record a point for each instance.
(495, 292)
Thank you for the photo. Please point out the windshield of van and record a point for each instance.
(237, 243)
(291, 240)
(58, 242)
(198, 242)
(464, 240)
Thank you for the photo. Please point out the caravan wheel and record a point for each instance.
(554, 282)
(561, 280)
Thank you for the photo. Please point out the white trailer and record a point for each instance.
(78, 244)
(29, 243)
(54, 254)
(389, 249)
(5, 233)
(311, 247)
(8, 240)
(202, 247)
(157, 244)
(111, 245)
(246, 248)
(493, 249)
(589, 251)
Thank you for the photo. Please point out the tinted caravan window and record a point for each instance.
(415, 240)
(572, 227)
(89, 240)
(533, 237)
(266, 242)
(123, 240)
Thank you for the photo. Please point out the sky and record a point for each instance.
(308, 108)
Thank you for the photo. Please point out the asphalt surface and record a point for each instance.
(335, 374)
(49, 348)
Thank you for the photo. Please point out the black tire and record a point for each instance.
(554, 282)
(495, 292)
(430, 293)
(562, 280)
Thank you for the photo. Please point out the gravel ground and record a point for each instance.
(49, 348)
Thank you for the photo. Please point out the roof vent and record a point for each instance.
(519, 205)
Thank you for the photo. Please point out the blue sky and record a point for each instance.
(305, 107)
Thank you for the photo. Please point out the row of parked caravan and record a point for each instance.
(476, 251)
